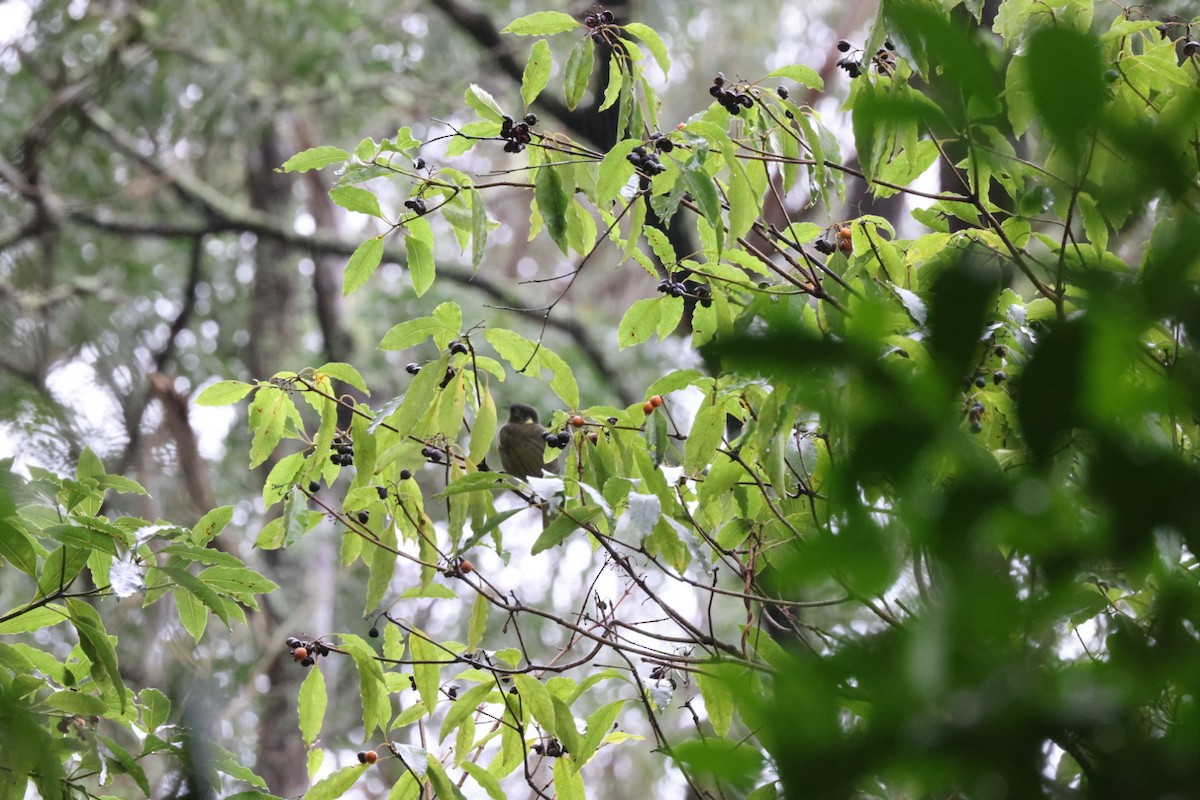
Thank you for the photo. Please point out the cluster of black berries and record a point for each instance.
(884, 60)
(998, 377)
(647, 163)
(553, 748)
(416, 204)
(457, 346)
(306, 652)
(676, 286)
(733, 100)
(975, 415)
(605, 17)
(432, 454)
(557, 440)
(517, 133)
(343, 451)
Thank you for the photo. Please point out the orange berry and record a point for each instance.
(648, 407)
(845, 240)
(370, 757)
(466, 567)
(577, 421)
(300, 653)
(656, 401)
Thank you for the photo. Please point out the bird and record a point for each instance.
(522, 443)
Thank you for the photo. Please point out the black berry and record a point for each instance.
(999, 376)
(405, 474)
(382, 492)
(373, 633)
(419, 163)
(364, 517)
(314, 487)
(413, 368)
(844, 46)
(783, 93)
(531, 119)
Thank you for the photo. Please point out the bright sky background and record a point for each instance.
(14, 15)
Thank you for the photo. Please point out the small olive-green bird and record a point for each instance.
(522, 446)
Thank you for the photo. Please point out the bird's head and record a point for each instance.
(521, 413)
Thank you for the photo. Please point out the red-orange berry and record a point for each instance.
(368, 757)
(300, 653)
(656, 401)
(648, 408)
(845, 240)
(466, 567)
(577, 421)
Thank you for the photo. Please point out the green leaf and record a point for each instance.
(564, 525)
(541, 23)
(337, 783)
(94, 641)
(314, 158)
(311, 705)
(599, 723)
(372, 687)
(614, 84)
(703, 439)
(528, 357)
(477, 624)
(568, 783)
(615, 171)
(718, 699)
(480, 100)
(282, 478)
(269, 413)
(156, 708)
(537, 700)
(486, 780)
(345, 373)
(203, 592)
(356, 198)
(463, 706)
(240, 582)
(443, 787)
(653, 42)
(428, 659)
(223, 393)
(537, 72)
(121, 760)
(76, 703)
(640, 322)
(579, 71)
(1065, 78)
(552, 202)
(410, 333)
(418, 244)
(16, 547)
(800, 74)
(479, 228)
(362, 264)
(211, 524)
